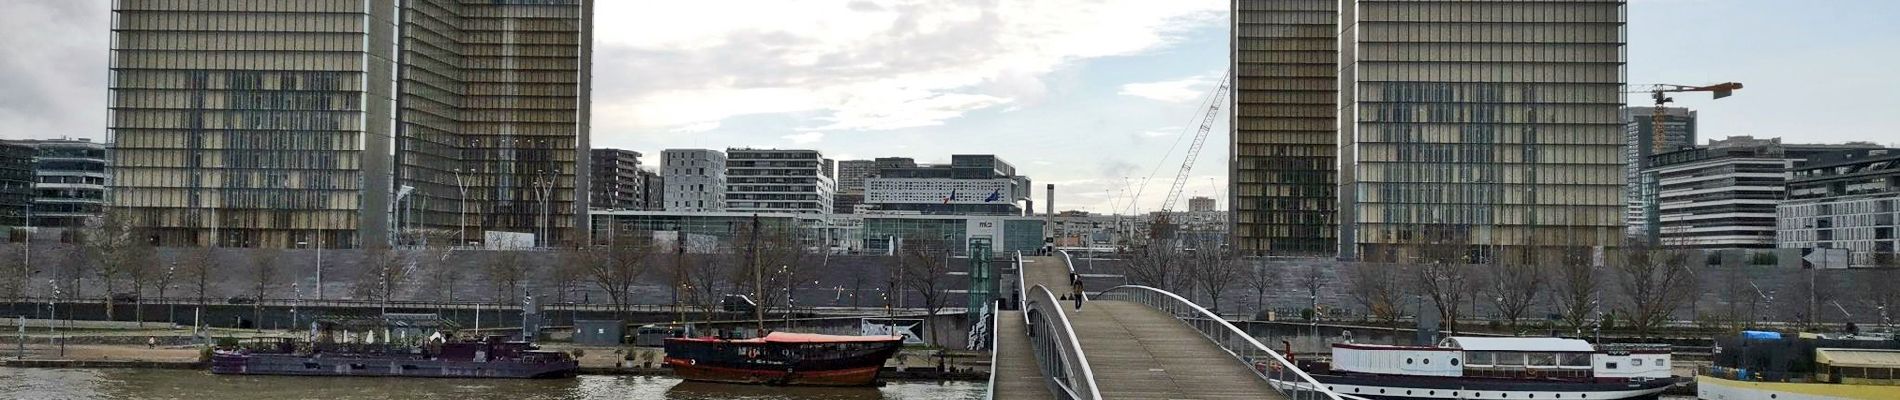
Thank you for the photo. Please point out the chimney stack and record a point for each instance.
(1049, 201)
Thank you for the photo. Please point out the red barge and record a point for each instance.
(782, 358)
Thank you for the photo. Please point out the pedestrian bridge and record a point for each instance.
(1129, 342)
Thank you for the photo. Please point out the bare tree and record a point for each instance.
(708, 278)
(1514, 288)
(14, 273)
(1442, 277)
(1380, 288)
(565, 273)
(1214, 271)
(1877, 290)
(505, 273)
(616, 267)
(926, 270)
(194, 267)
(443, 275)
(263, 280)
(1312, 278)
(1152, 265)
(1575, 286)
(385, 269)
(786, 262)
(1655, 282)
(1261, 277)
(1736, 293)
(115, 248)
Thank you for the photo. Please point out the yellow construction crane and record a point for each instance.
(1660, 93)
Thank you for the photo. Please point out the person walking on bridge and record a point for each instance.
(1075, 289)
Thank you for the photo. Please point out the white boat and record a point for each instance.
(1463, 367)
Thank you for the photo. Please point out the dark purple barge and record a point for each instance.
(491, 358)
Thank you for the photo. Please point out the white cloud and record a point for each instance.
(805, 138)
(856, 65)
(1171, 91)
(1162, 132)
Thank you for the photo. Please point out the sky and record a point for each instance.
(1095, 96)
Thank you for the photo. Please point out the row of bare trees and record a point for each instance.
(1645, 286)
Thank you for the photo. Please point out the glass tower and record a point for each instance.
(1480, 123)
(1283, 165)
(339, 123)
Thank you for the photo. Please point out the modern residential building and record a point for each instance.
(351, 122)
(1200, 204)
(1487, 124)
(972, 184)
(655, 191)
(1724, 195)
(893, 162)
(868, 233)
(695, 179)
(16, 183)
(1640, 140)
(1284, 142)
(1844, 200)
(774, 180)
(69, 181)
(617, 181)
(851, 173)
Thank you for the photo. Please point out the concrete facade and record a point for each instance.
(695, 180)
(775, 180)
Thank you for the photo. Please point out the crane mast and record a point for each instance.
(1161, 222)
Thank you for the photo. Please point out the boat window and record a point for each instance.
(1609, 365)
(1636, 362)
(1510, 358)
(1576, 359)
(1478, 357)
(1408, 361)
(1660, 362)
(1543, 359)
(1427, 361)
(1454, 362)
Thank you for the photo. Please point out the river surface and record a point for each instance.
(115, 384)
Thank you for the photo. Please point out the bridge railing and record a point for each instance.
(1281, 374)
(1058, 351)
(1070, 264)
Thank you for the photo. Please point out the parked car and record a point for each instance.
(240, 300)
(125, 298)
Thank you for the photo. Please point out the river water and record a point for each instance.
(114, 384)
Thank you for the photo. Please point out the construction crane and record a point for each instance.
(1187, 163)
(1660, 93)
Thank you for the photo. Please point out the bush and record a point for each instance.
(1307, 314)
(578, 353)
(1763, 259)
(204, 354)
(1495, 325)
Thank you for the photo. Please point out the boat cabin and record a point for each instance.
(1858, 366)
(1502, 357)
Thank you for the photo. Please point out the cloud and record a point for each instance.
(857, 65)
(805, 138)
(53, 69)
(1162, 132)
(1171, 91)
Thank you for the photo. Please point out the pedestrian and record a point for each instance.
(1075, 289)
(151, 342)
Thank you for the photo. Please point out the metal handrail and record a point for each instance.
(1078, 381)
(1066, 262)
(996, 314)
(1218, 330)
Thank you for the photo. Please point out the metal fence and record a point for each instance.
(1269, 365)
(1058, 351)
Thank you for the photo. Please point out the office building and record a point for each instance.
(69, 181)
(781, 181)
(1486, 124)
(1640, 140)
(349, 122)
(655, 190)
(1844, 200)
(972, 184)
(617, 181)
(1200, 204)
(1284, 141)
(1724, 195)
(695, 179)
(869, 233)
(16, 183)
(851, 173)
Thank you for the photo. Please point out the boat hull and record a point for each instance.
(1387, 387)
(1713, 388)
(861, 376)
(332, 365)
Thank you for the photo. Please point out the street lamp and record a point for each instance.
(171, 307)
(319, 245)
(462, 234)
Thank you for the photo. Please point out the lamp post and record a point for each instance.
(461, 238)
(171, 307)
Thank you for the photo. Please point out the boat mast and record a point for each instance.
(758, 283)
